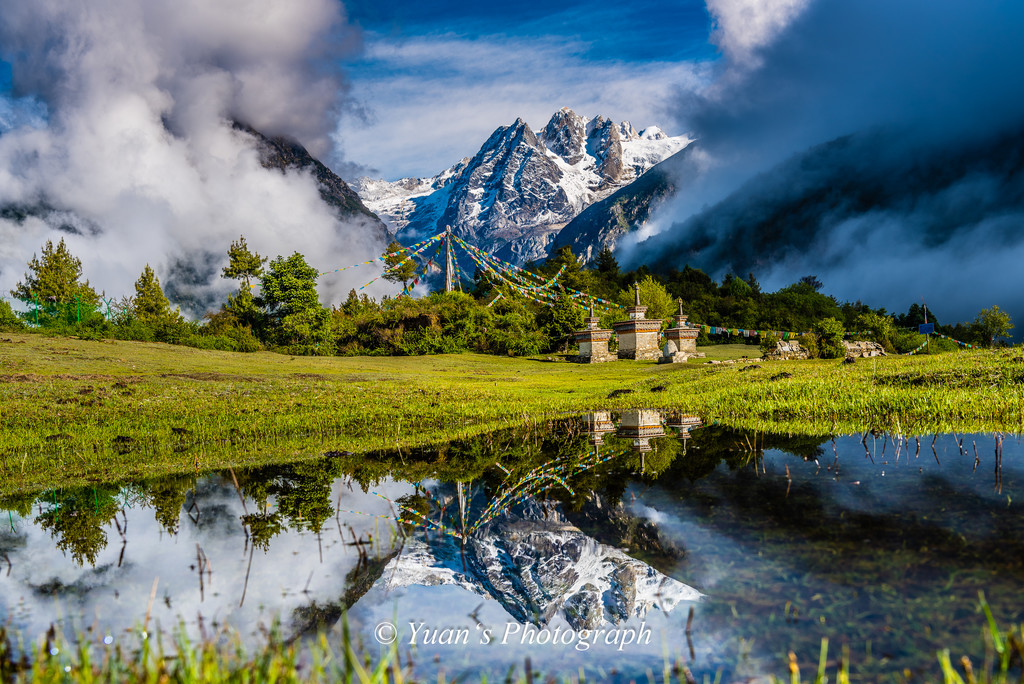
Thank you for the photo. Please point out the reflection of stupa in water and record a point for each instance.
(540, 568)
(682, 423)
(596, 425)
(641, 426)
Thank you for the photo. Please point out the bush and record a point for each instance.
(769, 342)
(9, 320)
(244, 340)
(810, 343)
(131, 328)
(514, 334)
(882, 328)
(560, 320)
(513, 330)
(905, 341)
(829, 333)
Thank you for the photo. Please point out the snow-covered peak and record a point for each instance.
(627, 131)
(566, 135)
(541, 568)
(522, 186)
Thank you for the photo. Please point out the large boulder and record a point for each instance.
(786, 350)
(856, 349)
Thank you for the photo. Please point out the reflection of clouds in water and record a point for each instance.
(116, 598)
(677, 523)
(873, 478)
(642, 510)
(874, 544)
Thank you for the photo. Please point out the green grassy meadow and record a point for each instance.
(75, 411)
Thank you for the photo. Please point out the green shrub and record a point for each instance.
(810, 343)
(9, 320)
(829, 333)
(905, 341)
(769, 342)
(513, 330)
(131, 328)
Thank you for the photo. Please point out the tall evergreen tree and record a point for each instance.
(243, 264)
(55, 277)
(151, 304)
(606, 263)
(573, 275)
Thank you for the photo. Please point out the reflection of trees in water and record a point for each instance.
(302, 491)
(166, 495)
(715, 444)
(305, 498)
(76, 519)
(263, 527)
(19, 504)
(465, 460)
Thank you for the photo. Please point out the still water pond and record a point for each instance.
(616, 542)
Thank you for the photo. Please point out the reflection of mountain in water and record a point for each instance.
(539, 566)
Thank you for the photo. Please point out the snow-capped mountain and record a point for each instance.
(523, 186)
(540, 567)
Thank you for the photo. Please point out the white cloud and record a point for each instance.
(138, 141)
(435, 99)
(742, 27)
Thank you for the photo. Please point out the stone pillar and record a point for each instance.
(680, 341)
(638, 337)
(593, 342)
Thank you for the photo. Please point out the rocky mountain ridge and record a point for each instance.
(523, 186)
(541, 568)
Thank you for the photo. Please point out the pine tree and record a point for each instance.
(243, 264)
(573, 276)
(151, 304)
(401, 269)
(55, 278)
(606, 263)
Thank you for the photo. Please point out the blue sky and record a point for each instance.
(434, 79)
(643, 30)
